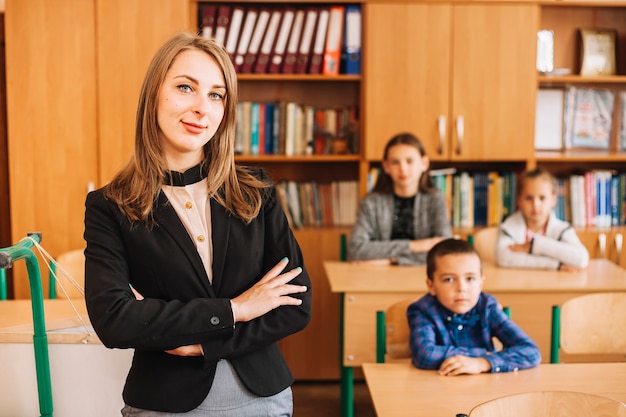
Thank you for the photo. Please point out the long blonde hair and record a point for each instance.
(135, 188)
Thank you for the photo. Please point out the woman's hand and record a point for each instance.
(189, 350)
(271, 291)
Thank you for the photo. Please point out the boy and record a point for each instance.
(452, 326)
(533, 237)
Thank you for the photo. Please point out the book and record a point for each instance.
(319, 42)
(244, 38)
(232, 36)
(592, 118)
(280, 46)
(621, 139)
(291, 51)
(352, 40)
(332, 50)
(208, 13)
(263, 58)
(255, 42)
(549, 119)
(306, 41)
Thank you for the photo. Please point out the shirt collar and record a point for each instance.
(190, 176)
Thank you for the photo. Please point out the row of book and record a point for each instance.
(593, 199)
(305, 39)
(575, 117)
(289, 128)
(312, 204)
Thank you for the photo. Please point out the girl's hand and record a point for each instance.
(273, 290)
(520, 247)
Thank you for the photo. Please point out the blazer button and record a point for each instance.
(215, 320)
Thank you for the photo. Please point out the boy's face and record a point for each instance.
(457, 281)
(536, 201)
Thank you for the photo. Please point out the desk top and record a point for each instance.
(402, 390)
(600, 275)
(62, 323)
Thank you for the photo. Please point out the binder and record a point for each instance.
(306, 42)
(317, 53)
(208, 20)
(352, 40)
(232, 36)
(221, 24)
(280, 46)
(244, 39)
(549, 119)
(262, 61)
(255, 42)
(332, 51)
(289, 60)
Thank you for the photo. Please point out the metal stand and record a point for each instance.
(23, 250)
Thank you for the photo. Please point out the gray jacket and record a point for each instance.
(371, 234)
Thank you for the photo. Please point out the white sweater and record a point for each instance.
(560, 245)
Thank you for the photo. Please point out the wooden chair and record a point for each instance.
(589, 324)
(485, 241)
(550, 403)
(393, 332)
(73, 262)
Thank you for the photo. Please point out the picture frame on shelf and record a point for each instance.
(597, 52)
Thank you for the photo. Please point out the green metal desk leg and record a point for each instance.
(23, 250)
(3, 284)
(347, 373)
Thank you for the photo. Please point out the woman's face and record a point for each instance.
(191, 106)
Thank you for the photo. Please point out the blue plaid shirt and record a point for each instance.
(437, 334)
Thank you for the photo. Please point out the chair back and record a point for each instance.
(589, 324)
(550, 403)
(485, 243)
(392, 332)
(74, 263)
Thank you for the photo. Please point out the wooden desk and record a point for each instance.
(400, 390)
(529, 293)
(86, 378)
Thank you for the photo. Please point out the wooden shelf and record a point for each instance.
(577, 79)
(298, 158)
(584, 156)
(297, 77)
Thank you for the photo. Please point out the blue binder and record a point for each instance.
(352, 40)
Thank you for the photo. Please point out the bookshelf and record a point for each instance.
(564, 19)
(474, 59)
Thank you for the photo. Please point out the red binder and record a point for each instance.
(208, 20)
(244, 39)
(289, 61)
(232, 37)
(221, 24)
(319, 42)
(255, 42)
(280, 46)
(269, 40)
(306, 41)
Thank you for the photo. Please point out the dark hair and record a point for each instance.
(384, 184)
(533, 174)
(450, 246)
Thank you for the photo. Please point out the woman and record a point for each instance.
(189, 259)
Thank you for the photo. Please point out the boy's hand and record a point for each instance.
(569, 268)
(457, 365)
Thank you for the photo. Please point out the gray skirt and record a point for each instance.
(228, 397)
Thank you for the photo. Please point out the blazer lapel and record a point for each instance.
(166, 218)
(220, 226)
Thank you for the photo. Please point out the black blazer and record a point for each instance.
(181, 307)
